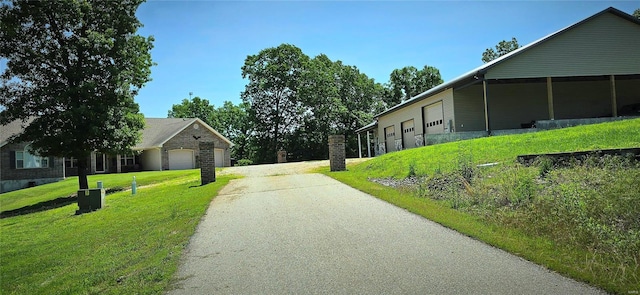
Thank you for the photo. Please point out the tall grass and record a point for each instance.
(590, 205)
(581, 218)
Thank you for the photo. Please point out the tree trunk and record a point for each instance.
(82, 172)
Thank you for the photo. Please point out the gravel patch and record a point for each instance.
(409, 182)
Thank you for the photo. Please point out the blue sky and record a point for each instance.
(201, 45)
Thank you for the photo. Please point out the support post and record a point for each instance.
(550, 98)
(118, 164)
(486, 106)
(207, 162)
(614, 99)
(359, 147)
(368, 145)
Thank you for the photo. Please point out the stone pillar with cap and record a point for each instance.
(337, 158)
(207, 162)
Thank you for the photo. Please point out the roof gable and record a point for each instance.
(12, 129)
(479, 72)
(604, 44)
(158, 131)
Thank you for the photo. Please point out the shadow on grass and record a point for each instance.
(50, 204)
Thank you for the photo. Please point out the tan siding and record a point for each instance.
(414, 111)
(469, 109)
(150, 160)
(510, 105)
(581, 99)
(604, 45)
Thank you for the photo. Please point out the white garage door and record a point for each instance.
(390, 138)
(181, 159)
(219, 155)
(408, 134)
(433, 119)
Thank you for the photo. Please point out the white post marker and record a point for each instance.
(133, 186)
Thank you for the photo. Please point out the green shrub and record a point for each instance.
(244, 162)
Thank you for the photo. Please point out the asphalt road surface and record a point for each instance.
(280, 231)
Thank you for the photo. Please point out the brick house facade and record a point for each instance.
(189, 138)
(13, 177)
(167, 144)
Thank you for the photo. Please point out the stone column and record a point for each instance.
(207, 162)
(118, 164)
(337, 159)
(282, 156)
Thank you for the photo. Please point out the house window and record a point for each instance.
(127, 160)
(25, 159)
(70, 162)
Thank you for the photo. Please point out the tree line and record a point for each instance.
(293, 102)
(73, 69)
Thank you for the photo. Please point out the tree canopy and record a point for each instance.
(194, 108)
(503, 47)
(274, 75)
(74, 67)
(636, 13)
(295, 102)
(233, 122)
(409, 81)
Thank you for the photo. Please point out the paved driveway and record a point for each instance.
(277, 231)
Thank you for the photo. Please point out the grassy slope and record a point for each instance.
(20, 198)
(426, 160)
(130, 247)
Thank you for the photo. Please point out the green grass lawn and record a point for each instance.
(25, 197)
(580, 220)
(132, 246)
(444, 157)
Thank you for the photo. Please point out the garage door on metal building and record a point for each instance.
(219, 155)
(408, 134)
(181, 159)
(433, 118)
(390, 138)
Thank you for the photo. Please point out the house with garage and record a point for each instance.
(586, 72)
(20, 167)
(172, 144)
(167, 144)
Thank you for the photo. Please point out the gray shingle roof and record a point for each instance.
(157, 131)
(11, 129)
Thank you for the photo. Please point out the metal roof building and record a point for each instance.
(590, 69)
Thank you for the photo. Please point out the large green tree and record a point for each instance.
(338, 99)
(296, 102)
(194, 108)
(74, 67)
(636, 13)
(503, 47)
(233, 122)
(272, 95)
(409, 81)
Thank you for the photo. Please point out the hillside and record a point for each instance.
(578, 217)
(426, 160)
